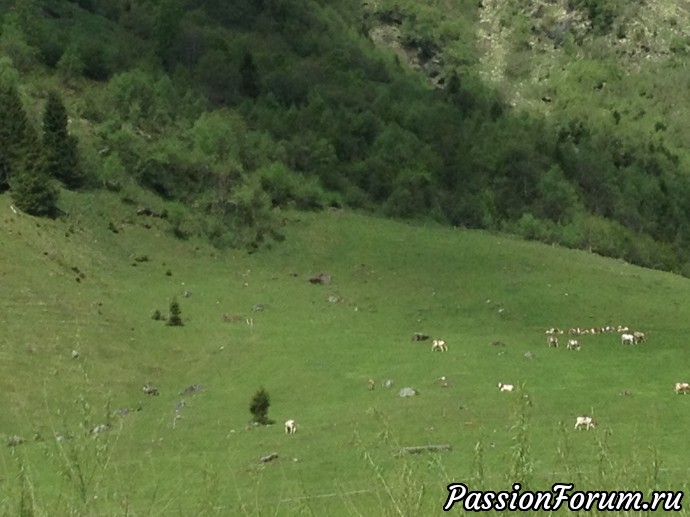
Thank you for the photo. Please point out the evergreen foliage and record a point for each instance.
(13, 128)
(34, 194)
(32, 189)
(61, 154)
(175, 318)
(22, 164)
(259, 407)
(237, 108)
(249, 77)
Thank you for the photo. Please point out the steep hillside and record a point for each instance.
(84, 439)
(602, 76)
(560, 122)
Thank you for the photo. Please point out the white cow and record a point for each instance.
(290, 427)
(639, 337)
(627, 339)
(573, 344)
(682, 387)
(585, 421)
(552, 341)
(440, 345)
(505, 387)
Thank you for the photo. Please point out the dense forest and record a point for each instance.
(231, 110)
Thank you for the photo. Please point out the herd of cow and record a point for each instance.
(627, 338)
(585, 421)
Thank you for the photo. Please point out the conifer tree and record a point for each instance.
(13, 124)
(249, 77)
(174, 320)
(32, 189)
(259, 407)
(62, 161)
(167, 27)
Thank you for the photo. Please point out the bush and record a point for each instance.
(97, 60)
(533, 228)
(34, 193)
(286, 187)
(70, 67)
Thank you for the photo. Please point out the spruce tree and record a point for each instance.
(62, 161)
(174, 320)
(32, 189)
(249, 77)
(259, 407)
(167, 27)
(13, 124)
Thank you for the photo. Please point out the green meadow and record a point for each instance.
(74, 284)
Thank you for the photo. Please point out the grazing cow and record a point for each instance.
(150, 390)
(573, 344)
(440, 345)
(639, 337)
(418, 336)
(552, 341)
(627, 339)
(371, 384)
(682, 387)
(505, 387)
(585, 421)
(290, 427)
(100, 428)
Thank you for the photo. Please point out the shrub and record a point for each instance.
(70, 67)
(34, 193)
(286, 187)
(97, 60)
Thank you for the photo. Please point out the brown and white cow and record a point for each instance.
(585, 421)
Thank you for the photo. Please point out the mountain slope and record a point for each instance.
(313, 347)
(233, 110)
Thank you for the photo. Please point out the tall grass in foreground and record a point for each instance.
(417, 485)
(88, 483)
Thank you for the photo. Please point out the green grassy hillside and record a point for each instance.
(560, 122)
(74, 284)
